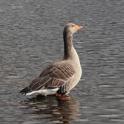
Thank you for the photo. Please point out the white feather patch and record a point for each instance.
(44, 92)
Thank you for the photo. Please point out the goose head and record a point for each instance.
(72, 28)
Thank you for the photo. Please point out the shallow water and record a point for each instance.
(31, 37)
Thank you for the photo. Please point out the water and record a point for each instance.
(31, 37)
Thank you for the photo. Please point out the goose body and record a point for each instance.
(62, 76)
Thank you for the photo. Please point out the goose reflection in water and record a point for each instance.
(52, 109)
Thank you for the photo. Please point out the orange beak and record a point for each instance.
(78, 27)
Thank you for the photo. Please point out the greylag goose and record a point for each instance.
(61, 76)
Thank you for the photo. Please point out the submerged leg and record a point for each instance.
(62, 96)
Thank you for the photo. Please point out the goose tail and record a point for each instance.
(25, 90)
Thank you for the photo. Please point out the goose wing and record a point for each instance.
(54, 76)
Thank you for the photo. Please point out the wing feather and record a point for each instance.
(53, 76)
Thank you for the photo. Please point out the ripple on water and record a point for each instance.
(117, 120)
(119, 96)
(110, 115)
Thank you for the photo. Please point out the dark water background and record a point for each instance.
(31, 35)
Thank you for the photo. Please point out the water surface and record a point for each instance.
(31, 37)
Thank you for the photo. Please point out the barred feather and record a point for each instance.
(56, 75)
